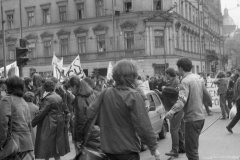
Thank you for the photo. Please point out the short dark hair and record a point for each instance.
(15, 86)
(185, 64)
(27, 80)
(49, 85)
(171, 72)
(90, 82)
(221, 75)
(28, 96)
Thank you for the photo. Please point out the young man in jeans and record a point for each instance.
(191, 101)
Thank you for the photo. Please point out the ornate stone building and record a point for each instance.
(155, 33)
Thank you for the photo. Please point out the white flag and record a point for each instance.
(109, 71)
(75, 69)
(11, 69)
(57, 65)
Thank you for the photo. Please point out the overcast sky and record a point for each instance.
(234, 10)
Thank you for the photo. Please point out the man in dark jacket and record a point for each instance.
(176, 123)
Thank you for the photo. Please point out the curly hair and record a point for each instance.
(29, 96)
(49, 85)
(185, 64)
(125, 73)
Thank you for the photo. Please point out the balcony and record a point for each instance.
(91, 57)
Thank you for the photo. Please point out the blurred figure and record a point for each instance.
(28, 84)
(222, 83)
(176, 123)
(230, 90)
(15, 119)
(123, 117)
(84, 96)
(51, 125)
(3, 88)
(37, 87)
(29, 98)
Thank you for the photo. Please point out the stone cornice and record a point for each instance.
(30, 8)
(80, 30)
(45, 6)
(31, 36)
(128, 25)
(11, 39)
(63, 32)
(46, 34)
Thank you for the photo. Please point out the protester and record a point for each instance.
(38, 87)
(222, 83)
(176, 123)
(191, 101)
(29, 98)
(236, 99)
(28, 84)
(123, 117)
(84, 96)
(51, 125)
(230, 92)
(3, 88)
(15, 129)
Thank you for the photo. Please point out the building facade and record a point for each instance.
(154, 33)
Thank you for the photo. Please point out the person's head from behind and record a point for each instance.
(15, 86)
(184, 65)
(37, 80)
(78, 86)
(221, 75)
(125, 73)
(90, 82)
(49, 85)
(229, 74)
(28, 96)
(170, 73)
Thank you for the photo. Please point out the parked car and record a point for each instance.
(156, 114)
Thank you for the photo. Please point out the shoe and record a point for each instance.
(181, 151)
(229, 129)
(172, 154)
(223, 118)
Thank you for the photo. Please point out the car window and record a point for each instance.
(156, 100)
(150, 98)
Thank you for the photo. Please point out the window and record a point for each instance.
(47, 48)
(129, 39)
(11, 51)
(31, 20)
(62, 13)
(80, 10)
(127, 5)
(64, 46)
(81, 44)
(157, 4)
(99, 8)
(159, 39)
(32, 49)
(10, 21)
(46, 16)
(101, 44)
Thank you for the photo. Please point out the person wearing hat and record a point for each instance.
(170, 96)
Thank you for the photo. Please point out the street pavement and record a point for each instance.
(215, 143)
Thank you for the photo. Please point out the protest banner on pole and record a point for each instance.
(57, 65)
(11, 69)
(212, 89)
(75, 69)
(109, 71)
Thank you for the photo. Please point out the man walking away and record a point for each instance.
(191, 101)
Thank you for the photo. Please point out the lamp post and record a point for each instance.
(3, 41)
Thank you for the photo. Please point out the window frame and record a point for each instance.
(102, 40)
(11, 51)
(31, 18)
(64, 42)
(82, 44)
(10, 22)
(62, 13)
(99, 8)
(45, 16)
(80, 7)
(129, 40)
(155, 5)
(47, 48)
(159, 39)
(125, 9)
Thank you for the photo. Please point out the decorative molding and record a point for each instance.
(46, 34)
(184, 28)
(31, 36)
(128, 25)
(10, 11)
(100, 27)
(62, 32)
(178, 25)
(30, 8)
(80, 30)
(62, 2)
(45, 6)
(11, 39)
(79, 1)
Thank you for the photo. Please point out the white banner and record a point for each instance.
(109, 71)
(57, 65)
(212, 89)
(75, 69)
(11, 69)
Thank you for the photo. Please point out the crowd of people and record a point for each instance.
(109, 117)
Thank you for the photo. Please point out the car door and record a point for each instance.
(159, 112)
(154, 115)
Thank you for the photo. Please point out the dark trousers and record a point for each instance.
(177, 132)
(236, 117)
(192, 132)
(223, 106)
(130, 156)
(207, 109)
(229, 102)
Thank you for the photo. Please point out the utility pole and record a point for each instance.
(199, 30)
(113, 25)
(20, 14)
(3, 42)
